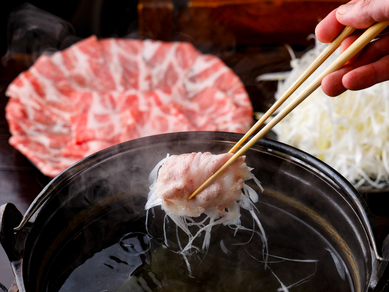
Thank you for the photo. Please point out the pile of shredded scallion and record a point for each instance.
(349, 132)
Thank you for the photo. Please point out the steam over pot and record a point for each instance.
(99, 202)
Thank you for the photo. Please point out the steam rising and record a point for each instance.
(32, 32)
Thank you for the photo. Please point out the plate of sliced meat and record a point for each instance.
(101, 92)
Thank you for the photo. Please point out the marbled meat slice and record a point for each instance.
(95, 117)
(181, 175)
(40, 128)
(98, 93)
(146, 113)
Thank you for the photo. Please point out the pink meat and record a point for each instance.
(181, 175)
(98, 93)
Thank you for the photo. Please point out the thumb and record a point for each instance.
(363, 13)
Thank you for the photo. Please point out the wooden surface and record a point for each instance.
(232, 22)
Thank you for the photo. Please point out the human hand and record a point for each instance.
(369, 67)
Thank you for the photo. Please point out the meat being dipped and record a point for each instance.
(176, 177)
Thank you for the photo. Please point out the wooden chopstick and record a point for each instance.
(349, 53)
(347, 31)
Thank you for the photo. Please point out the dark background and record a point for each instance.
(99, 17)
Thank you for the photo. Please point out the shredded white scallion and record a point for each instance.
(202, 227)
(349, 132)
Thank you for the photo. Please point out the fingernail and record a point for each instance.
(343, 9)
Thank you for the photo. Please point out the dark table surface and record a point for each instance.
(21, 182)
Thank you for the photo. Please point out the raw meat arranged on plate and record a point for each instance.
(98, 93)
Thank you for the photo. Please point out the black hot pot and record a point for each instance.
(87, 229)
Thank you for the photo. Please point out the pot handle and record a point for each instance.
(10, 217)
